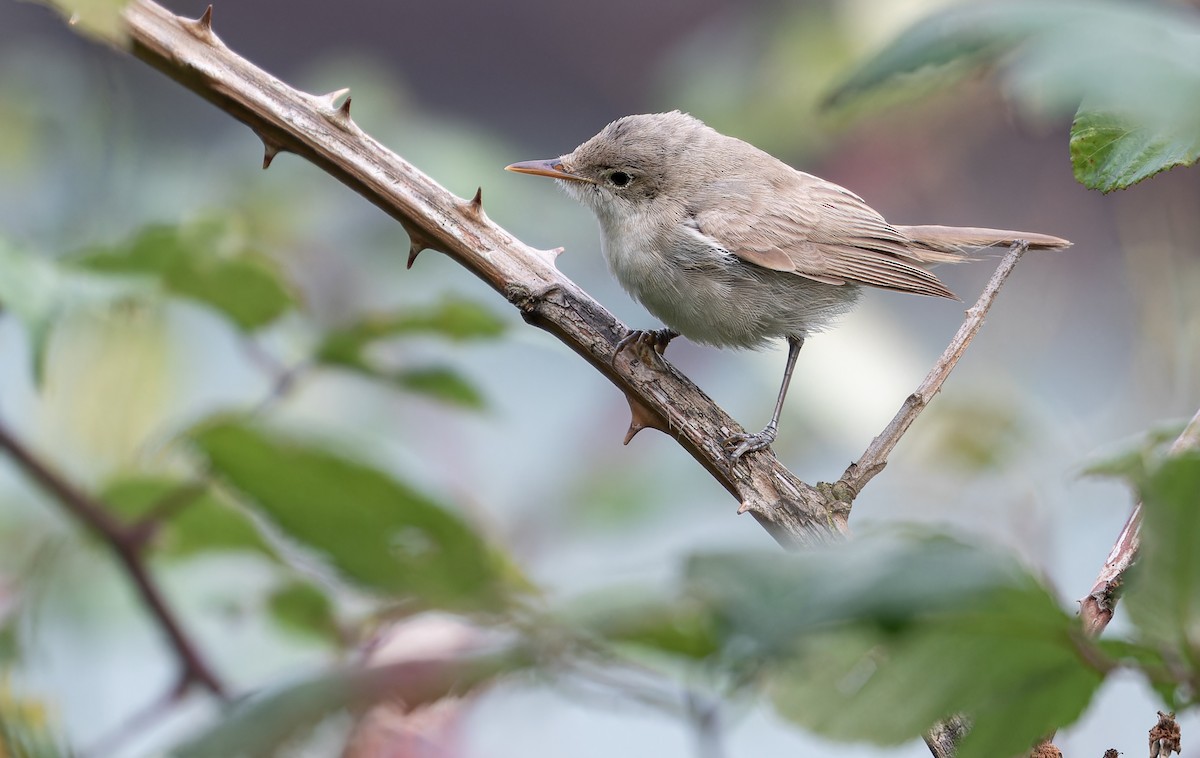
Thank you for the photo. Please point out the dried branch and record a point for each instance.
(874, 459)
(125, 543)
(1097, 608)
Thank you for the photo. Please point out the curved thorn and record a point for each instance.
(270, 150)
(477, 201)
(640, 418)
(328, 100)
(202, 27)
(416, 243)
(344, 111)
(413, 251)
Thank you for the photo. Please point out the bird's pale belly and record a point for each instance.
(711, 297)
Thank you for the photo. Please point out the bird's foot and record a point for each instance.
(643, 340)
(737, 445)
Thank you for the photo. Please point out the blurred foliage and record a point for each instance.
(207, 262)
(376, 531)
(190, 518)
(878, 639)
(1165, 584)
(1133, 461)
(454, 319)
(41, 293)
(1129, 70)
(304, 609)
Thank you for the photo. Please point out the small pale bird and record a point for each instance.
(731, 247)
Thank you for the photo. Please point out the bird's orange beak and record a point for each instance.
(552, 168)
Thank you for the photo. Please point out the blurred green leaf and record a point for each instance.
(1152, 663)
(441, 383)
(373, 529)
(455, 319)
(682, 628)
(202, 263)
(881, 638)
(32, 289)
(1133, 461)
(1111, 152)
(1163, 592)
(304, 608)
(39, 292)
(962, 36)
(197, 520)
(1130, 65)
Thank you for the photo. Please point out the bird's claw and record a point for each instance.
(737, 445)
(653, 339)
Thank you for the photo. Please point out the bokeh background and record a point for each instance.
(1085, 350)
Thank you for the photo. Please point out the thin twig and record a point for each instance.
(1097, 608)
(875, 458)
(124, 546)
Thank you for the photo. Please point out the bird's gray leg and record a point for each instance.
(654, 338)
(739, 444)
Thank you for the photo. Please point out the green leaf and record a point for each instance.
(33, 290)
(452, 318)
(1130, 65)
(373, 529)
(879, 639)
(1158, 672)
(442, 384)
(201, 263)
(969, 37)
(1163, 592)
(303, 608)
(1133, 461)
(675, 626)
(39, 292)
(1110, 152)
(198, 521)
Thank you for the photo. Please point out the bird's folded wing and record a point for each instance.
(814, 229)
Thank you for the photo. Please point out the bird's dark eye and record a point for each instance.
(619, 178)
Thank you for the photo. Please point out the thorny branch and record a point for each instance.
(319, 128)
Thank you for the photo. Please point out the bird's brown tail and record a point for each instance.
(948, 243)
